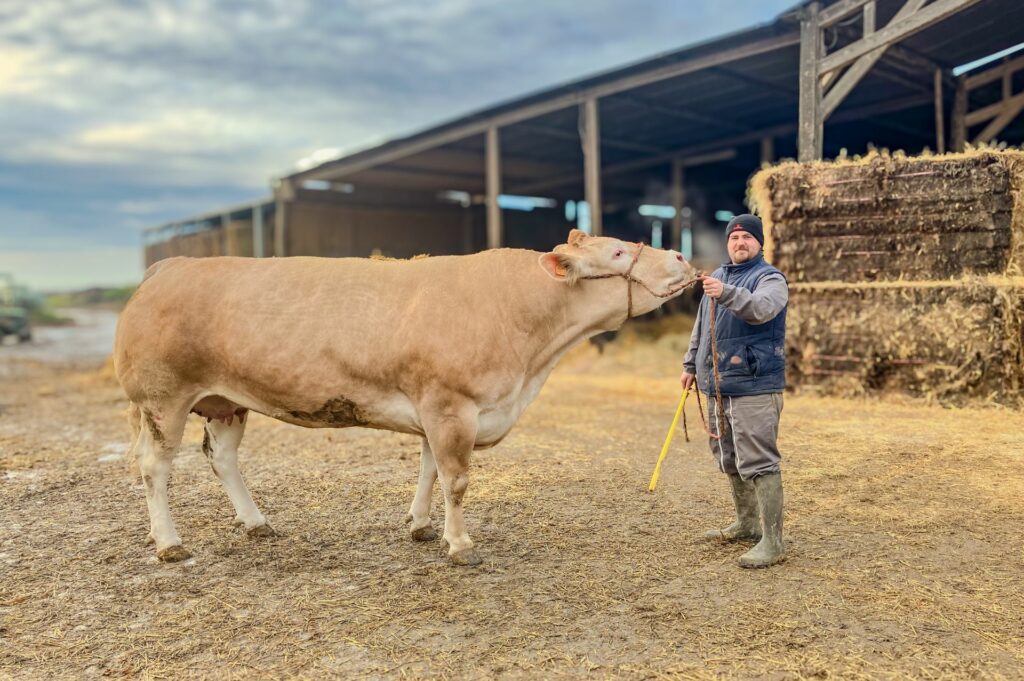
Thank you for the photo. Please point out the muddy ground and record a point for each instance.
(903, 522)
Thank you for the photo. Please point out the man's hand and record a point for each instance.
(712, 287)
(687, 380)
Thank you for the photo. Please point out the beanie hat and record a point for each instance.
(746, 223)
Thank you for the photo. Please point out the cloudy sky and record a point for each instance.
(120, 114)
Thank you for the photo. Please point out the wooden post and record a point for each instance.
(284, 194)
(592, 163)
(767, 149)
(280, 224)
(940, 124)
(678, 200)
(958, 134)
(257, 231)
(810, 136)
(494, 225)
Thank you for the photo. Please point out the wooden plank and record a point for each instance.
(940, 124)
(958, 128)
(860, 69)
(870, 18)
(988, 112)
(995, 73)
(493, 171)
(840, 11)
(811, 122)
(894, 31)
(592, 163)
(1001, 121)
(402, 148)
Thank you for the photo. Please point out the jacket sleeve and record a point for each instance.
(690, 359)
(759, 306)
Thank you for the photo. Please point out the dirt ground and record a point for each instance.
(903, 521)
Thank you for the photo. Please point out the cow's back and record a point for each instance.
(307, 322)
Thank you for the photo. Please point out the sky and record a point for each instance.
(116, 115)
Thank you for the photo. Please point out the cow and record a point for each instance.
(450, 348)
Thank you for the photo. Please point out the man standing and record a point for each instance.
(750, 328)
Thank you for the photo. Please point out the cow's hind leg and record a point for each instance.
(451, 430)
(220, 444)
(419, 512)
(158, 441)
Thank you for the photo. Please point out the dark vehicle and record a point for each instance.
(14, 322)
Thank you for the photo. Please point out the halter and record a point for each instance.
(630, 279)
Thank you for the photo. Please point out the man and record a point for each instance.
(750, 325)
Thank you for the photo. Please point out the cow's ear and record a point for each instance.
(576, 237)
(560, 266)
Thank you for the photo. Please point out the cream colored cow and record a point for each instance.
(452, 349)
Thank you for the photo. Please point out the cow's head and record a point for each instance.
(583, 256)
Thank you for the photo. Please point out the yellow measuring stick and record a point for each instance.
(668, 441)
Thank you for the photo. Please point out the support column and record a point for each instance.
(257, 231)
(940, 124)
(810, 135)
(495, 230)
(678, 201)
(592, 164)
(958, 134)
(284, 194)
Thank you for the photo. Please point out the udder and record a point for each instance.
(215, 407)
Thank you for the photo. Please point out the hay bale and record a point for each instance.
(947, 340)
(892, 217)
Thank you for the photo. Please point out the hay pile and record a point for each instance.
(906, 273)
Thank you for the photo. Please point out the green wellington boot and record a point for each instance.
(769, 550)
(747, 525)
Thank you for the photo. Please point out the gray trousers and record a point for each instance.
(749, 447)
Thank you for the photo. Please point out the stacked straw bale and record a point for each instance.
(906, 274)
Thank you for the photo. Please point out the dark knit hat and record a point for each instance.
(746, 223)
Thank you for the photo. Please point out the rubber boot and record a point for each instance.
(770, 549)
(747, 526)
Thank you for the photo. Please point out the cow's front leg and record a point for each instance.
(450, 427)
(419, 512)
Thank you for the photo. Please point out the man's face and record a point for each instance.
(742, 246)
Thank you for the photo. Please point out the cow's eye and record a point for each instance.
(618, 253)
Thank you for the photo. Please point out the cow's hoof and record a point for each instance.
(237, 522)
(465, 557)
(150, 539)
(427, 533)
(261, 532)
(173, 554)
